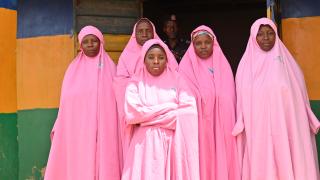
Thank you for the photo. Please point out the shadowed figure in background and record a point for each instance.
(176, 44)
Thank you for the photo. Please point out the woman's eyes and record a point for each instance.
(161, 57)
(152, 57)
(268, 33)
(198, 43)
(271, 33)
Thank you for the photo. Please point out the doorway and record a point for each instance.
(229, 19)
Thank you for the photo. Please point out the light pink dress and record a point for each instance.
(275, 126)
(212, 83)
(163, 117)
(85, 137)
(125, 69)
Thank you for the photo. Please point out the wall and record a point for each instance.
(115, 19)
(46, 44)
(45, 47)
(8, 98)
(301, 34)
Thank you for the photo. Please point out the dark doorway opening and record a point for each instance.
(230, 20)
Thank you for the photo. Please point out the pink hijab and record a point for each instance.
(129, 56)
(84, 136)
(185, 162)
(125, 69)
(275, 126)
(212, 83)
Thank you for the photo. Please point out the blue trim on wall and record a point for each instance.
(9, 4)
(299, 8)
(44, 17)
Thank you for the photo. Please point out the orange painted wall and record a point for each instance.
(8, 98)
(41, 64)
(302, 37)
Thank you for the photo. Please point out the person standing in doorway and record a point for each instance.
(176, 44)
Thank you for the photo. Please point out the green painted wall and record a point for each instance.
(34, 127)
(8, 146)
(315, 105)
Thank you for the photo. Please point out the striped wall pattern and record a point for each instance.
(45, 47)
(46, 44)
(301, 34)
(8, 98)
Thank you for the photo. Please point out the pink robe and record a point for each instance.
(125, 69)
(163, 117)
(84, 137)
(212, 83)
(275, 126)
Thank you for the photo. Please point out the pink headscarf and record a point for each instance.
(274, 118)
(84, 136)
(152, 90)
(129, 56)
(212, 83)
(125, 69)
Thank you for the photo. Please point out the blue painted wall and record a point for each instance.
(44, 17)
(9, 4)
(300, 8)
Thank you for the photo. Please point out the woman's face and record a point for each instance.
(203, 46)
(155, 61)
(266, 37)
(144, 32)
(90, 45)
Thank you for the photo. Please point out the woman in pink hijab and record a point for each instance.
(275, 126)
(142, 31)
(210, 77)
(85, 137)
(162, 115)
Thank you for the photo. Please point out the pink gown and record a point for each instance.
(163, 117)
(212, 84)
(85, 137)
(125, 69)
(275, 126)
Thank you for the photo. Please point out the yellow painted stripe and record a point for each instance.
(41, 64)
(114, 56)
(8, 95)
(302, 37)
(115, 42)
